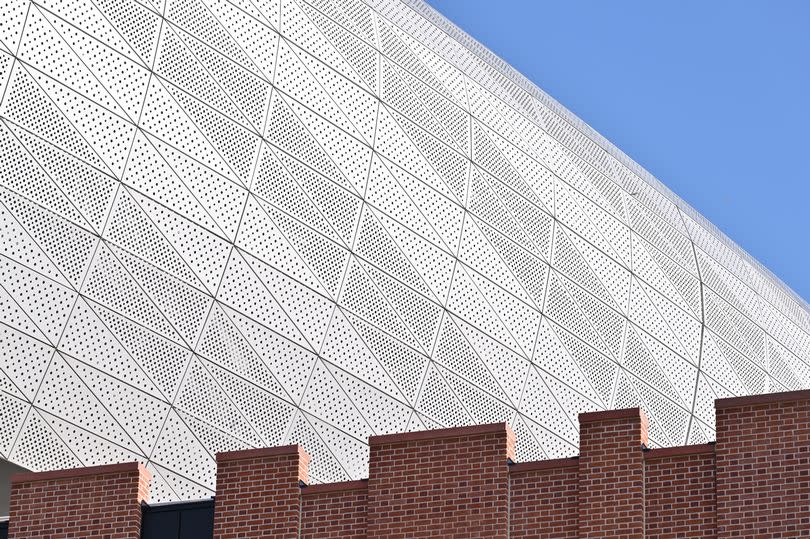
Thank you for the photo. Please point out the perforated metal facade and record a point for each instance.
(258, 222)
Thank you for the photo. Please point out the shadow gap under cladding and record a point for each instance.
(233, 224)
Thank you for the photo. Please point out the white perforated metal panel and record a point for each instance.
(231, 224)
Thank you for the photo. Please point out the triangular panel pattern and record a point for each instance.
(245, 223)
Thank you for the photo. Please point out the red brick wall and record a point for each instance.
(763, 466)
(611, 473)
(754, 482)
(680, 498)
(101, 501)
(333, 511)
(445, 483)
(258, 493)
(543, 499)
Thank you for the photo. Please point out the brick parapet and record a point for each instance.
(462, 482)
(258, 493)
(763, 465)
(611, 473)
(335, 510)
(95, 502)
(680, 496)
(447, 483)
(543, 501)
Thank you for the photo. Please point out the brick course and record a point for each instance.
(754, 482)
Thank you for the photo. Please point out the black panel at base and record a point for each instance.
(186, 520)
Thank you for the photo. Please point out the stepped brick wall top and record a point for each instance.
(462, 482)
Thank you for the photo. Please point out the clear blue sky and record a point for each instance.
(712, 97)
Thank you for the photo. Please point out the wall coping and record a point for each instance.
(437, 434)
(767, 398)
(538, 465)
(679, 451)
(607, 415)
(342, 486)
(261, 452)
(106, 469)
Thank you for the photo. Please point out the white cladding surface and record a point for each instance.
(258, 222)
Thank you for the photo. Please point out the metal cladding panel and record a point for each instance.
(231, 224)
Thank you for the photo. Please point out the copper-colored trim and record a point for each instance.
(681, 451)
(537, 465)
(343, 486)
(437, 434)
(108, 469)
(787, 396)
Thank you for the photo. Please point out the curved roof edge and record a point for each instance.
(517, 78)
